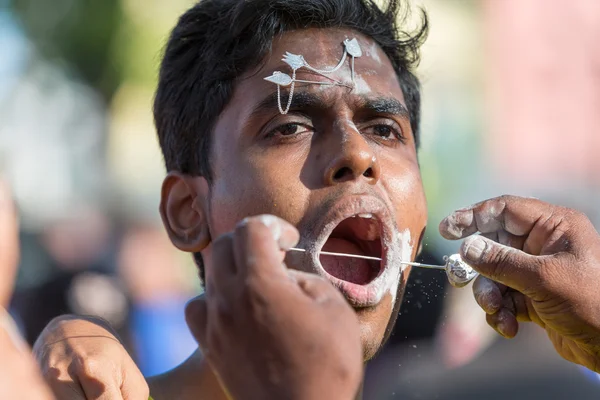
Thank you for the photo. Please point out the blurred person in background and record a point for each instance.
(19, 374)
(158, 296)
(81, 274)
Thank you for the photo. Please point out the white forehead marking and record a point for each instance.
(373, 52)
(361, 86)
(352, 50)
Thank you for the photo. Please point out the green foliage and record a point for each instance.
(77, 33)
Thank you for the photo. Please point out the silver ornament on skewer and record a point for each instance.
(459, 273)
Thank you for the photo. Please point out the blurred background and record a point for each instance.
(511, 92)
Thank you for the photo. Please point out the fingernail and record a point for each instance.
(502, 329)
(474, 248)
(273, 224)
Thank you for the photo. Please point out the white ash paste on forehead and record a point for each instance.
(361, 86)
(373, 52)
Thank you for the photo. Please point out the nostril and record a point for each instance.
(368, 173)
(342, 173)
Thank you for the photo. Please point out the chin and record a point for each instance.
(377, 323)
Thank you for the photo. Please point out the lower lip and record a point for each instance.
(359, 296)
(365, 295)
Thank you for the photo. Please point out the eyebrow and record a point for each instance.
(301, 100)
(307, 101)
(384, 105)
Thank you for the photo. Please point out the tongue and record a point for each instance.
(355, 270)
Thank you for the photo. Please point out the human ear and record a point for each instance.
(183, 211)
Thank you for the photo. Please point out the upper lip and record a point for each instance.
(358, 295)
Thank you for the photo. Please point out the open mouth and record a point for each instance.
(360, 235)
(362, 225)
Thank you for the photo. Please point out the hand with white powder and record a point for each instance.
(289, 334)
(538, 263)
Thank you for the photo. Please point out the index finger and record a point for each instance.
(9, 243)
(515, 215)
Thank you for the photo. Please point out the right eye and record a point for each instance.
(289, 129)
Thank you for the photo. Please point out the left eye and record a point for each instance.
(384, 131)
(288, 129)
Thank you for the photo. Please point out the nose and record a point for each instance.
(354, 160)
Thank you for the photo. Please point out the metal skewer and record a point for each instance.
(414, 264)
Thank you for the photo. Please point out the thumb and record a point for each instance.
(507, 265)
(196, 317)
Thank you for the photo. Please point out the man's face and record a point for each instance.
(341, 166)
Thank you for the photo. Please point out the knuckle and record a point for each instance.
(579, 218)
(506, 200)
(552, 273)
(85, 367)
(52, 373)
(501, 257)
(552, 222)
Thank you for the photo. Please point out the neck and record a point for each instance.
(192, 377)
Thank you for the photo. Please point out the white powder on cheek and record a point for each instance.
(398, 251)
